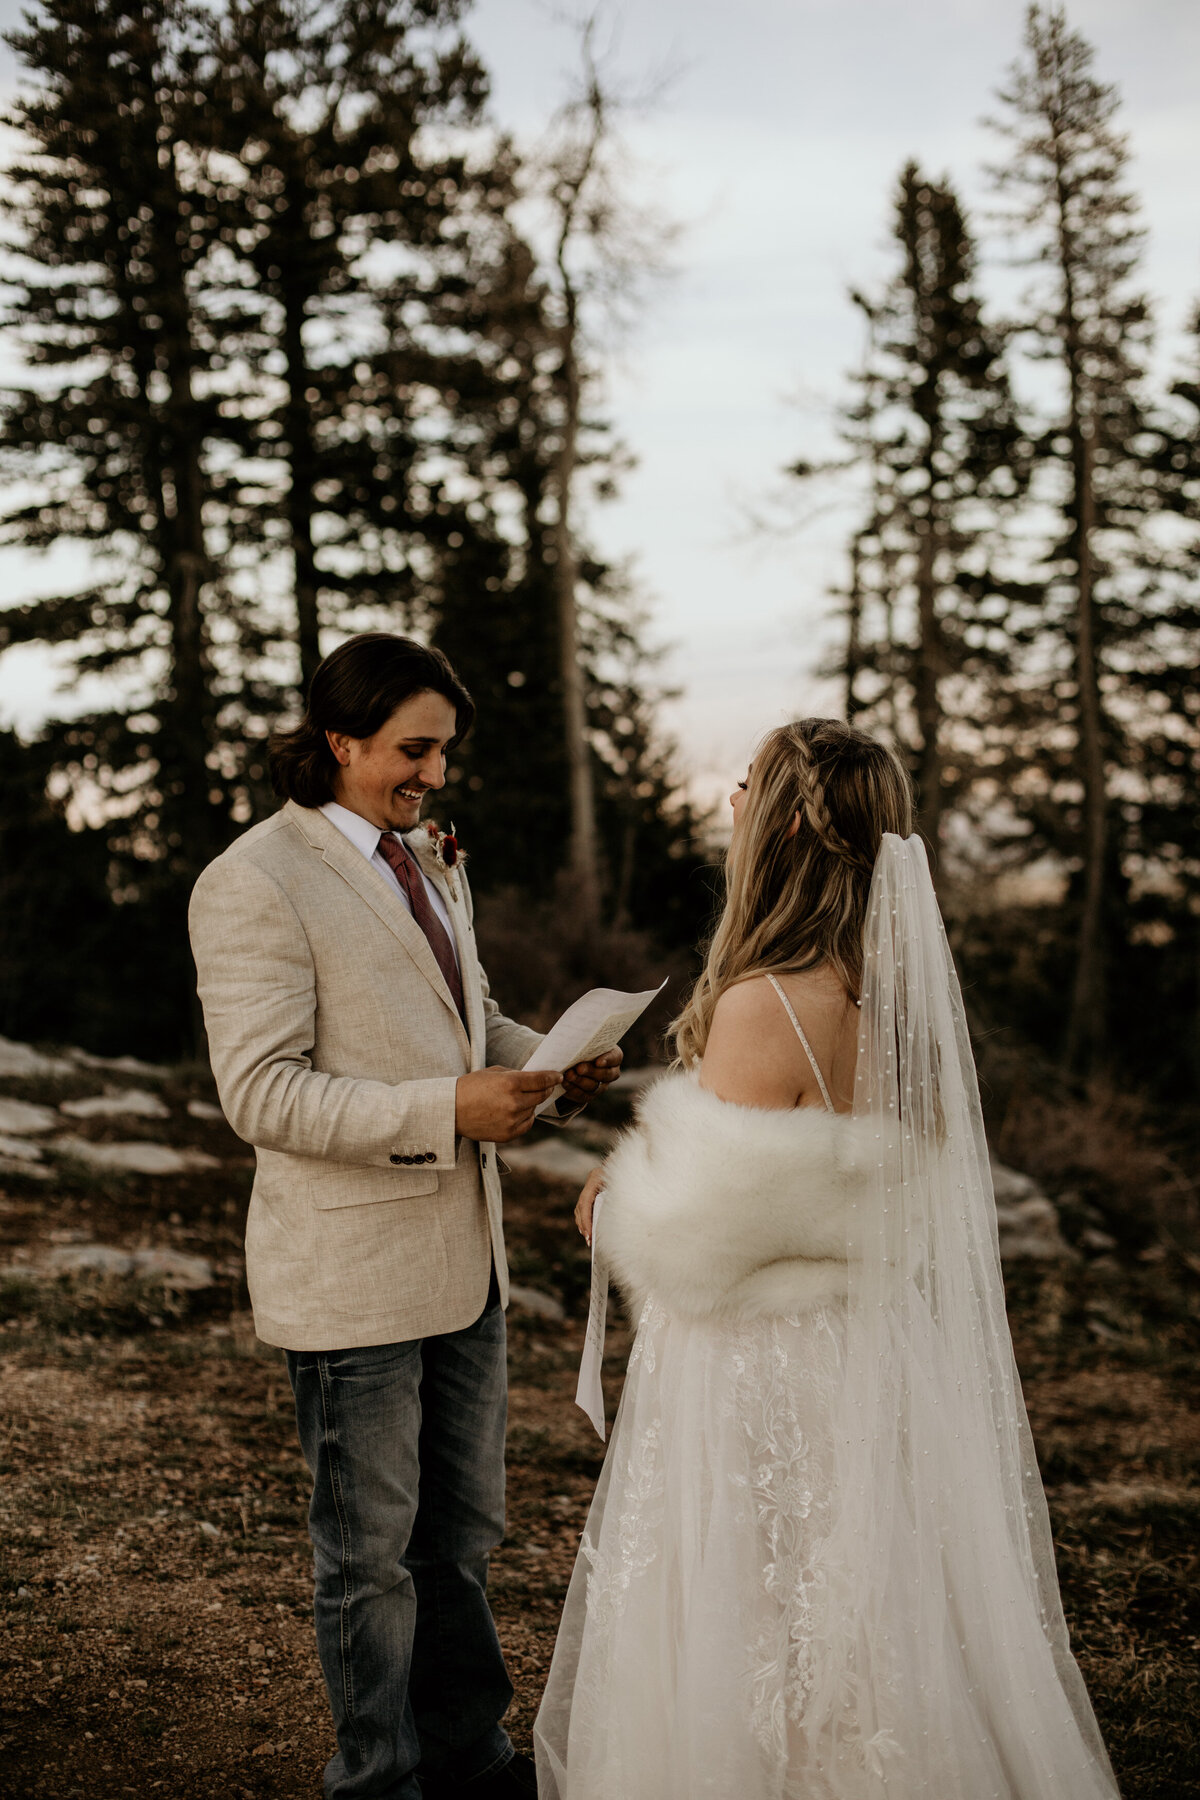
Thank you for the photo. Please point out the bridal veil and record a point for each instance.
(943, 1599)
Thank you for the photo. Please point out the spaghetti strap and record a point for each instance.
(816, 1067)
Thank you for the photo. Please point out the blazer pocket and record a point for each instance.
(403, 1184)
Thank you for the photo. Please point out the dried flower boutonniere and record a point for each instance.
(446, 853)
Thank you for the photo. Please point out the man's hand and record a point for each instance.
(586, 1080)
(496, 1105)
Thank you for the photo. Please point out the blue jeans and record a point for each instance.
(405, 1443)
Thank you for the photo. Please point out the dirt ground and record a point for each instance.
(155, 1571)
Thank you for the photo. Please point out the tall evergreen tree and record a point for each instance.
(1074, 218)
(109, 433)
(353, 220)
(934, 429)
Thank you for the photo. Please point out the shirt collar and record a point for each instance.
(361, 833)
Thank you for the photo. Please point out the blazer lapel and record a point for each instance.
(418, 841)
(370, 886)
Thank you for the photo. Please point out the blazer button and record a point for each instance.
(483, 1159)
(431, 1156)
(393, 1158)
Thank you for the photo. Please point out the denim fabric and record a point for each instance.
(405, 1443)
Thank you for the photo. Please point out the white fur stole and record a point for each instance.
(723, 1211)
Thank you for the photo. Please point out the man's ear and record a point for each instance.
(339, 743)
(792, 829)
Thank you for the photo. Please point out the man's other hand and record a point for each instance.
(497, 1105)
(586, 1080)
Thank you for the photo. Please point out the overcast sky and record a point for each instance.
(778, 144)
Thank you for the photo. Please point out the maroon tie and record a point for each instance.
(407, 872)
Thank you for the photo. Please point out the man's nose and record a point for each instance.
(433, 771)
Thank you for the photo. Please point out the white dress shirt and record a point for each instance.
(365, 837)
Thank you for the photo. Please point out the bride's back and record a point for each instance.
(755, 1056)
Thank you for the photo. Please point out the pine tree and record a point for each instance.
(353, 223)
(1071, 211)
(110, 432)
(934, 429)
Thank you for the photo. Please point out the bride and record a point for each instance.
(818, 1563)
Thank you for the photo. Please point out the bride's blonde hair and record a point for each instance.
(793, 902)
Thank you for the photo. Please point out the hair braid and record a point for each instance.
(815, 808)
(797, 899)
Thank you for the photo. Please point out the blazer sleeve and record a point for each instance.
(257, 985)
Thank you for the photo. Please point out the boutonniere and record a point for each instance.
(446, 853)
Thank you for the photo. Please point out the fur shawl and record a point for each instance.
(730, 1212)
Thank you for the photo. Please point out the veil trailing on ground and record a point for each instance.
(942, 1604)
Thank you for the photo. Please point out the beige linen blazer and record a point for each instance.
(336, 1048)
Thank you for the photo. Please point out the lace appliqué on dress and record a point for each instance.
(626, 1553)
(785, 1373)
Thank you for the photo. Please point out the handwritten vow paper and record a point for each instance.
(597, 1022)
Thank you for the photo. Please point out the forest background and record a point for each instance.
(304, 342)
(298, 338)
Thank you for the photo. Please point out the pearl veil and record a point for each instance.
(818, 1562)
(943, 1602)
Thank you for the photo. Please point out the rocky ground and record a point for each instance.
(154, 1571)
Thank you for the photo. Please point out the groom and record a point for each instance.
(356, 1046)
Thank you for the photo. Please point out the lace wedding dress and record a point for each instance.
(818, 1564)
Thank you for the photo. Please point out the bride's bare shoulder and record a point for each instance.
(750, 1057)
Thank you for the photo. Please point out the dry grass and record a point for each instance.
(146, 1655)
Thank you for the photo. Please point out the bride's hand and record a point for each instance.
(585, 1206)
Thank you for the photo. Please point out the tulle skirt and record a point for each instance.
(696, 1616)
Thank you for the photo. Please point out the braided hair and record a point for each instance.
(820, 796)
(814, 807)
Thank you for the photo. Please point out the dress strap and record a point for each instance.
(816, 1067)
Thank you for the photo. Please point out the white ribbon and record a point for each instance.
(589, 1391)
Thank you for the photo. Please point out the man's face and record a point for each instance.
(385, 778)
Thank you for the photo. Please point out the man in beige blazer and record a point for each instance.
(356, 1046)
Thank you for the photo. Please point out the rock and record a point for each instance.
(532, 1300)
(552, 1158)
(120, 1065)
(23, 1059)
(203, 1109)
(15, 1149)
(170, 1268)
(89, 1259)
(20, 1118)
(1098, 1241)
(587, 1134)
(1010, 1186)
(1026, 1219)
(131, 1103)
(174, 1268)
(630, 1082)
(209, 1529)
(9, 1165)
(139, 1159)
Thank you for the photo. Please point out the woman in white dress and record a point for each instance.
(818, 1563)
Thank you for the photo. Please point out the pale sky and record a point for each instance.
(778, 145)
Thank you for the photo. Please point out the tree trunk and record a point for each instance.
(1085, 1028)
(926, 672)
(1086, 1019)
(583, 858)
(298, 426)
(854, 607)
(177, 474)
